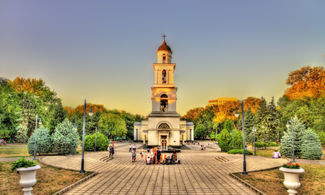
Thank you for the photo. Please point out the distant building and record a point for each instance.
(164, 127)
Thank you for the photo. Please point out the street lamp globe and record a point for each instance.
(91, 111)
(236, 114)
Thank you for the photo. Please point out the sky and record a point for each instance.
(104, 50)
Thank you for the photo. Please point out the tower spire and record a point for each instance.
(164, 37)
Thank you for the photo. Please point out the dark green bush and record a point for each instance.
(272, 144)
(89, 143)
(224, 140)
(101, 142)
(239, 151)
(261, 145)
(22, 162)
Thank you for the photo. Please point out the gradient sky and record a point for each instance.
(104, 50)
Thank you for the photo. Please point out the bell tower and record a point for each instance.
(164, 90)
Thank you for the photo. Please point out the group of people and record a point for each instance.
(155, 156)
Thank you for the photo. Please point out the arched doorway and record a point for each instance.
(164, 130)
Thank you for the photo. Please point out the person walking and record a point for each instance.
(133, 156)
(130, 148)
(111, 149)
(158, 155)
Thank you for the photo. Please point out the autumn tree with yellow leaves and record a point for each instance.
(307, 82)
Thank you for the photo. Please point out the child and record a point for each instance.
(141, 153)
(276, 154)
(148, 160)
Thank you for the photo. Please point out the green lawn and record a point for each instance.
(13, 150)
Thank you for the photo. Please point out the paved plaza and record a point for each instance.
(201, 172)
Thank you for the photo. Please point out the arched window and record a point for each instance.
(164, 76)
(163, 102)
(164, 59)
(163, 126)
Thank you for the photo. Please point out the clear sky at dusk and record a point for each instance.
(104, 50)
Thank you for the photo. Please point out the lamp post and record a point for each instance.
(244, 146)
(95, 139)
(254, 131)
(35, 143)
(75, 123)
(292, 139)
(232, 136)
(82, 170)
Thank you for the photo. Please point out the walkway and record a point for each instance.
(201, 172)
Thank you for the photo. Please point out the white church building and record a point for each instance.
(163, 126)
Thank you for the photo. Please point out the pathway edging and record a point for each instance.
(62, 191)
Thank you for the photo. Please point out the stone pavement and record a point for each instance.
(201, 172)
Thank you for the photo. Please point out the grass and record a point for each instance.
(13, 150)
(269, 152)
(49, 179)
(271, 181)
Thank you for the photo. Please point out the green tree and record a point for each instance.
(112, 124)
(200, 131)
(249, 123)
(286, 140)
(205, 118)
(272, 122)
(212, 135)
(21, 134)
(9, 110)
(237, 139)
(56, 114)
(229, 125)
(65, 138)
(261, 121)
(310, 146)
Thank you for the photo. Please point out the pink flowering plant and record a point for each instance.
(291, 165)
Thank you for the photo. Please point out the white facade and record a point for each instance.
(164, 127)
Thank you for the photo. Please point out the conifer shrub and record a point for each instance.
(65, 138)
(286, 140)
(311, 147)
(44, 141)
